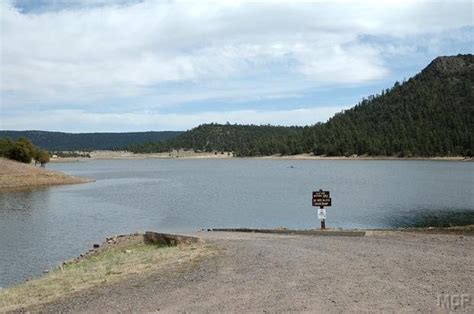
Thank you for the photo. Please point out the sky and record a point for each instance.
(130, 65)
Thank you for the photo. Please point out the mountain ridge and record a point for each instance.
(64, 141)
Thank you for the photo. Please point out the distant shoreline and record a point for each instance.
(104, 154)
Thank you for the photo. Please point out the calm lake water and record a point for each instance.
(40, 228)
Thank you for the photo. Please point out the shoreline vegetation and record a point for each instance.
(17, 175)
(190, 154)
(128, 264)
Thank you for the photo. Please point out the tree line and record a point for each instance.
(23, 150)
(86, 142)
(242, 140)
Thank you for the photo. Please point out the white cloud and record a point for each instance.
(96, 52)
(120, 49)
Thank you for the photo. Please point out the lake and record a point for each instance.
(39, 228)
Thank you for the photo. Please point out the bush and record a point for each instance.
(23, 151)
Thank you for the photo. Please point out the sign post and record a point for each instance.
(321, 198)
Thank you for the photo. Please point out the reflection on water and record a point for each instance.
(42, 227)
(424, 217)
(23, 200)
(22, 216)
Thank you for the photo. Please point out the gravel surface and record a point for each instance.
(279, 273)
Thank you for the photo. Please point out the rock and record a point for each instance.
(168, 239)
(96, 246)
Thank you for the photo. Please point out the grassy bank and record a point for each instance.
(15, 174)
(106, 266)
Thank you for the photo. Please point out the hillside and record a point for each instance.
(15, 174)
(431, 114)
(243, 140)
(59, 141)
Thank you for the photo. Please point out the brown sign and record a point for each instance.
(321, 198)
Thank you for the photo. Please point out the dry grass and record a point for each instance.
(110, 266)
(15, 174)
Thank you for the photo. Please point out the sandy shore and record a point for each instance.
(383, 271)
(313, 157)
(18, 175)
(105, 154)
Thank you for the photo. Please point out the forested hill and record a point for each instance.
(58, 141)
(243, 140)
(431, 114)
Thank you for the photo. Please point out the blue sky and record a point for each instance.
(97, 65)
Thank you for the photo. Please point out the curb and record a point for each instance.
(342, 233)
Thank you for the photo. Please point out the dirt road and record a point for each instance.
(265, 272)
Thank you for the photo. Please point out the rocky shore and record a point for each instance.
(119, 259)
